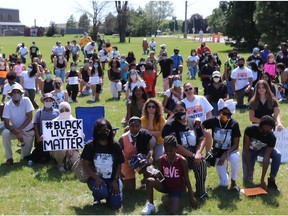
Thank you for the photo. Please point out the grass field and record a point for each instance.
(43, 190)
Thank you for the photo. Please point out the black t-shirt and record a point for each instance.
(142, 141)
(258, 60)
(166, 66)
(258, 140)
(187, 135)
(223, 134)
(216, 94)
(207, 70)
(130, 59)
(104, 159)
(263, 109)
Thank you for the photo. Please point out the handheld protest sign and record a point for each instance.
(63, 135)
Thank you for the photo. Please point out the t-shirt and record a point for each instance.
(165, 67)
(23, 51)
(263, 109)
(258, 60)
(173, 173)
(197, 108)
(223, 134)
(258, 140)
(242, 76)
(193, 60)
(207, 70)
(215, 94)
(44, 115)
(186, 135)
(156, 127)
(142, 141)
(29, 82)
(7, 88)
(174, 98)
(75, 48)
(177, 60)
(105, 159)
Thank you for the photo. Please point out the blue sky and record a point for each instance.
(59, 11)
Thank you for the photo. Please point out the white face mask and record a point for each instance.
(65, 115)
(48, 105)
(16, 96)
(216, 79)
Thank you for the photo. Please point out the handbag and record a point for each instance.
(80, 171)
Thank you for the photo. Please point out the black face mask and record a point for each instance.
(57, 86)
(180, 115)
(102, 136)
(240, 65)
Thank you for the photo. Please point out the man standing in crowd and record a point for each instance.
(34, 51)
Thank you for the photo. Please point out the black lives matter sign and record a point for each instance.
(63, 135)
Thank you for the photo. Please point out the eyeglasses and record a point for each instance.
(151, 107)
(64, 110)
(189, 89)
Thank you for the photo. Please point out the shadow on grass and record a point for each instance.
(133, 199)
(6, 169)
(101, 209)
(226, 198)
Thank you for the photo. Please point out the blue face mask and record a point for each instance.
(122, 60)
(48, 76)
(177, 83)
(73, 68)
(95, 65)
(29, 69)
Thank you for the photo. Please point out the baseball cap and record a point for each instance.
(134, 120)
(47, 95)
(216, 74)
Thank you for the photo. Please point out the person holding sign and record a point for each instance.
(65, 157)
(72, 77)
(96, 79)
(259, 140)
(102, 159)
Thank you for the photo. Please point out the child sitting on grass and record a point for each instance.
(175, 170)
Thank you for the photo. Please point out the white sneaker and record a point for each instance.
(149, 209)
(93, 98)
(70, 100)
(61, 169)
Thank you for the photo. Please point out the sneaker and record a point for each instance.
(96, 202)
(8, 162)
(61, 169)
(70, 100)
(204, 197)
(236, 188)
(272, 185)
(93, 99)
(149, 209)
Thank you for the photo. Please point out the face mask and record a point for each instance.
(122, 60)
(177, 83)
(48, 76)
(233, 60)
(240, 65)
(103, 136)
(60, 57)
(73, 68)
(225, 118)
(29, 69)
(133, 77)
(164, 57)
(57, 86)
(271, 59)
(16, 96)
(65, 115)
(216, 79)
(95, 65)
(48, 105)
(86, 64)
(180, 115)
(176, 53)
(142, 62)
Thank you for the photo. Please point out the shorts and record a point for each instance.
(98, 88)
(177, 194)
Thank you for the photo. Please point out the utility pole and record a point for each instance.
(185, 22)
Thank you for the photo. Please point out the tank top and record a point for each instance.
(60, 65)
(173, 173)
(73, 74)
(48, 86)
(85, 75)
(129, 149)
(18, 69)
(114, 75)
(3, 72)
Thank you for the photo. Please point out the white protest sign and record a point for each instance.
(63, 135)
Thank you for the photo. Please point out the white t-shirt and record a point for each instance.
(133, 85)
(168, 94)
(102, 55)
(153, 44)
(29, 82)
(23, 51)
(241, 75)
(193, 58)
(89, 48)
(7, 88)
(16, 114)
(197, 108)
(59, 50)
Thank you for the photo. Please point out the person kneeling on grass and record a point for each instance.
(175, 170)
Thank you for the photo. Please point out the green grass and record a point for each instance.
(43, 190)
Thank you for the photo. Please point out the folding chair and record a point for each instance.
(89, 116)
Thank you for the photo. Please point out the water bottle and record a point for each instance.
(30, 163)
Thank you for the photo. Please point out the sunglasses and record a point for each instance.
(151, 107)
(64, 110)
(189, 89)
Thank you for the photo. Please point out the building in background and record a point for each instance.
(10, 24)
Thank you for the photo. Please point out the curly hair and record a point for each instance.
(159, 110)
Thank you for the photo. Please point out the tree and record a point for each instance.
(52, 29)
(216, 19)
(156, 12)
(122, 8)
(239, 24)
(96, 15)
(271, 19)
(137, 23)
(110, 24)
(84, 22)
(197, 22)
(71, 22)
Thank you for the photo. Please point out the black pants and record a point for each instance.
(72, 91)
(38, 155)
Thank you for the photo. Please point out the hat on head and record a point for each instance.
(228, 104)
(163, 45)
(216, 74)
(134, 120)
(16, 86)
(47, 95)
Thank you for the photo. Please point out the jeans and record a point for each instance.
(252, 157)
(193, 71)
(114, 201)
(240, 97)
(61, 74)
(215, 111)
(229, 89)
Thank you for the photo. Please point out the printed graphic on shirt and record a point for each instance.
(194, 112)
(257, 144)
(242, 76)
(171, 172)
(103, 165)
(188, 138)
(223, 138)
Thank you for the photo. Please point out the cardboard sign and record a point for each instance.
(253, 191)
(63, 135)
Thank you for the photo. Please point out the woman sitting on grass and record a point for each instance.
(175, 170)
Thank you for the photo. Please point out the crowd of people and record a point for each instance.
(185, 131)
